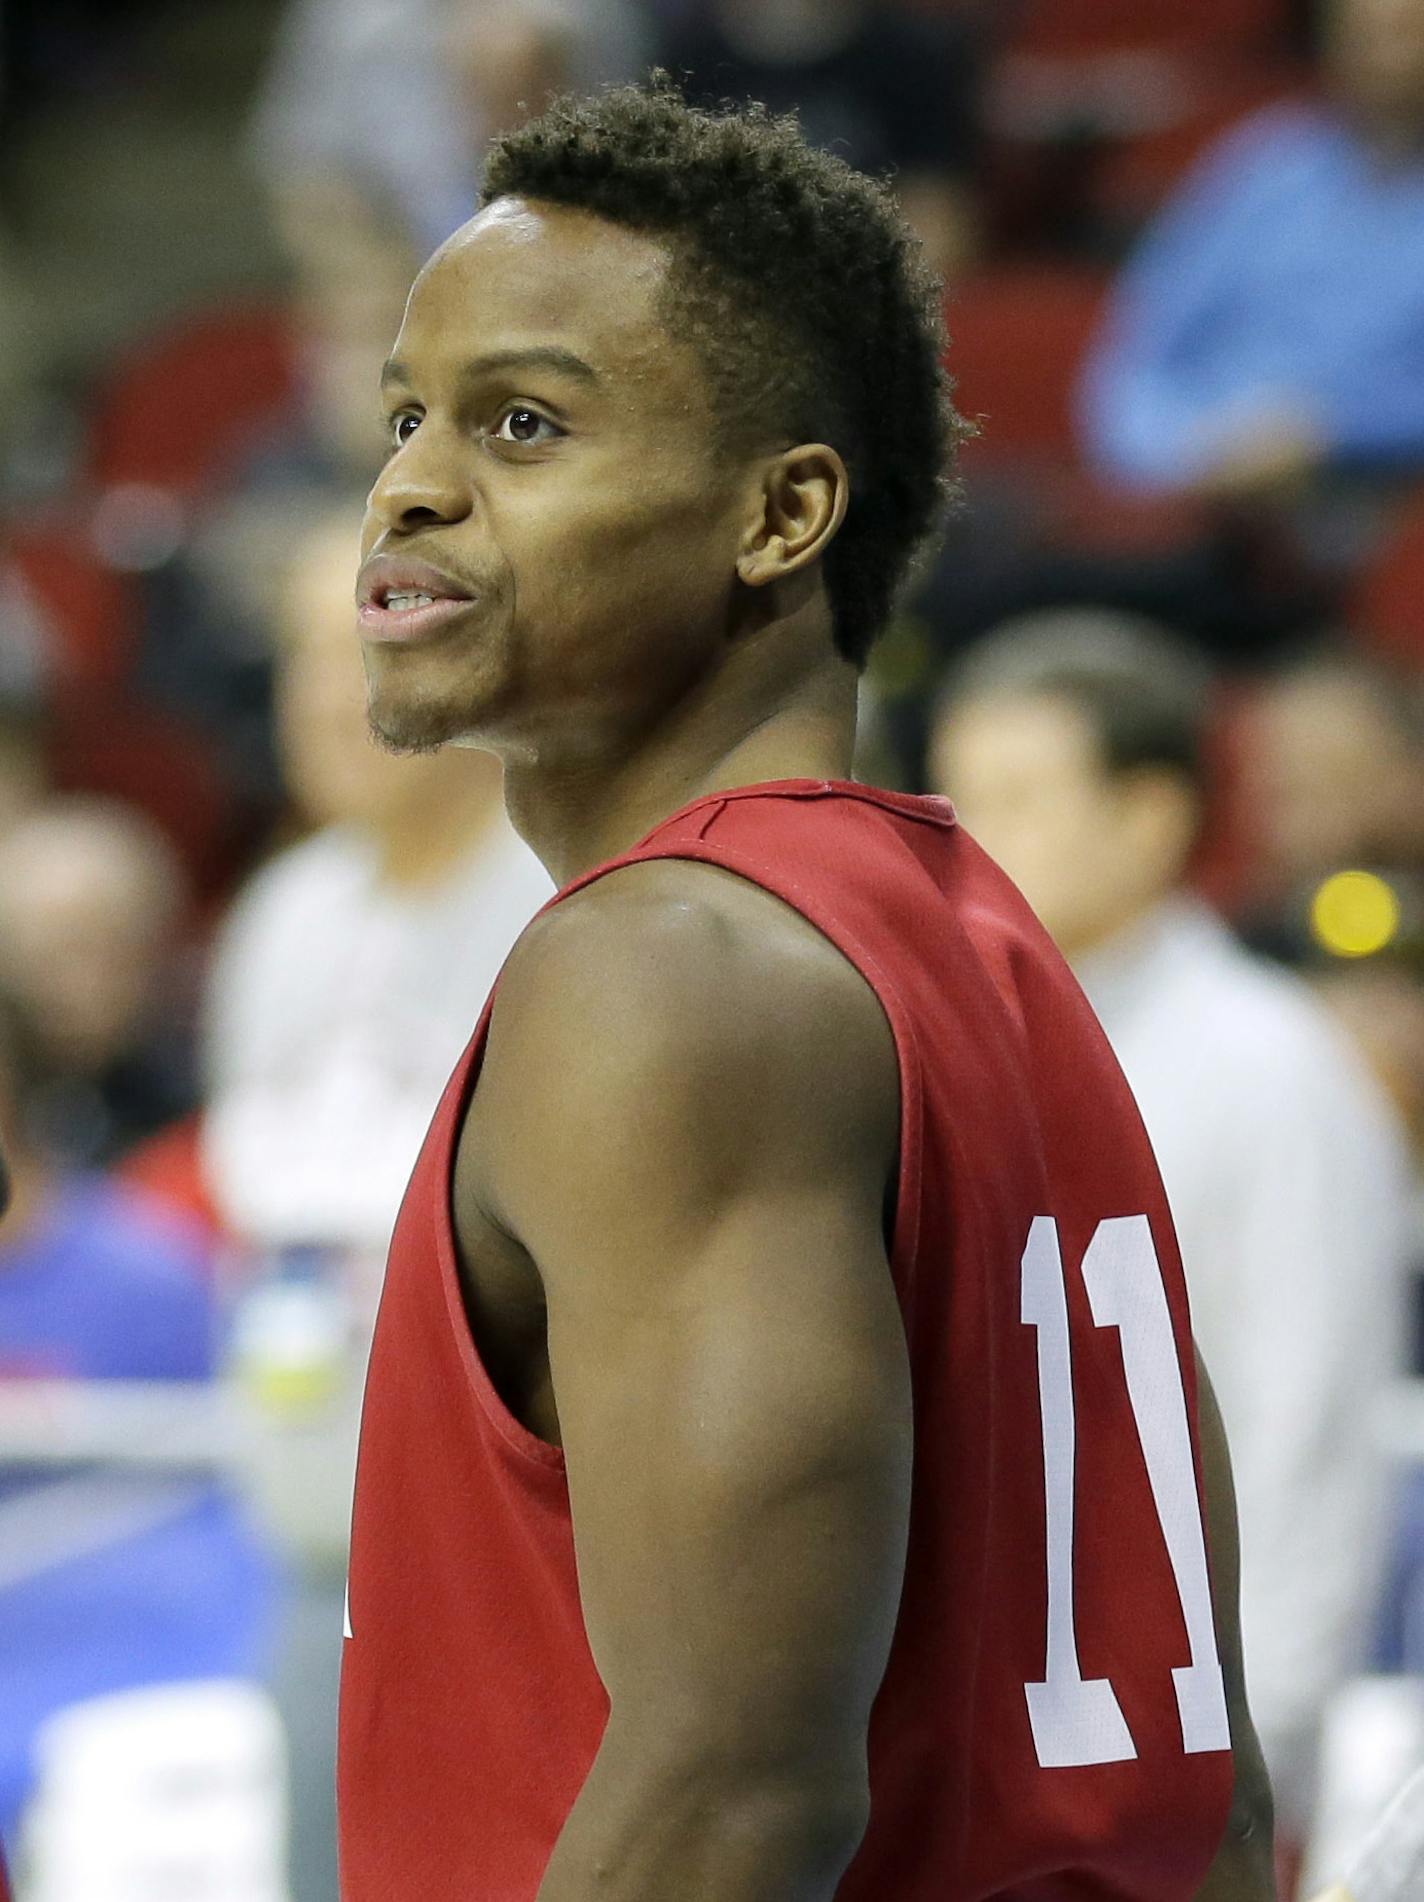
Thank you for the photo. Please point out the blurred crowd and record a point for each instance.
(1169, 663)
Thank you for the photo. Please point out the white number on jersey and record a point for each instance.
(1078, 1720)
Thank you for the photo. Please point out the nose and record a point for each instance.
(421, 486)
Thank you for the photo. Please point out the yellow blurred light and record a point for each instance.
(1354, 914)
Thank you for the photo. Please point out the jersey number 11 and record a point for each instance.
(1078, 1720)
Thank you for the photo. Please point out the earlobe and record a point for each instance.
(763, 563)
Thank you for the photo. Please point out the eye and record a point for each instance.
(521, 424)
(403, 426)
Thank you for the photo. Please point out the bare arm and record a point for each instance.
(688, 1115)
(1243, 1870)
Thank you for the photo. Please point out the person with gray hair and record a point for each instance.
(1073, 746)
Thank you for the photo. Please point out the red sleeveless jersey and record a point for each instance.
(1052, 1725)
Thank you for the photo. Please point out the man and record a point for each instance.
(336, 1001)
(92, 907)
(342, 989)
(697, 1425)
(1266, 328)
(1073, 744)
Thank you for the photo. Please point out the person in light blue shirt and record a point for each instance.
(1272, 321)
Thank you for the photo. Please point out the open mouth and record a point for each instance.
(396, 613)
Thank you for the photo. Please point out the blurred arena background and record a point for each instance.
(1170, 661)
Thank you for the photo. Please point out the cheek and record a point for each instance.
(617, 554)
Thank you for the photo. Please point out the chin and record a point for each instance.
(417, 727)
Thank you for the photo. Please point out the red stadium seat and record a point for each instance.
(1134, 177)
(180, 407)
(1095, 107)
(89, 610)
(120, 748)
(1068, 28)
(1387, 608)
(1017, 336)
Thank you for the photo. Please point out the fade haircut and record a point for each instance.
(1145, 692)
(802, 289)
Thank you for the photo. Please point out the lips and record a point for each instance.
(402, 599)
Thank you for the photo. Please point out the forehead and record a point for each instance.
(523, 273)
(1004, 725)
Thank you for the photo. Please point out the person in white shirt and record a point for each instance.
(347, 980)
(1071, 743)
(352, 969)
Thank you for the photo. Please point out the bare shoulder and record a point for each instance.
(674, 1004)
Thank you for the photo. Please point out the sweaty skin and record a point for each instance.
(672, 1174)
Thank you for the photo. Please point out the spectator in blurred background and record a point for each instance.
(887, 89)
(1335, 770)
(109, 1578)
(406, 92)
(1272, 323)
(352, 969)
(92, 905)
(1072, 746)
(346, 981)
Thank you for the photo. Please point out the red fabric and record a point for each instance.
(471, 1708)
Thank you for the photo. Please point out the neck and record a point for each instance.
(420, 844)
(739, 730)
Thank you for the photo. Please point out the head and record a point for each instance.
(91, 900)
(671, 402)
(1374, 61)
(333, 769)
(1072, 745)
(1335, 768)
(352, 257)
(512, 56)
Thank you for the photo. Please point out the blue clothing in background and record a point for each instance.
(111, 1579)
(1286, 275)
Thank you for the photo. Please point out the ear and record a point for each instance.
(804, 494)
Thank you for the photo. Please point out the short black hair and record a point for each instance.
(803, 288)
(1145, 692)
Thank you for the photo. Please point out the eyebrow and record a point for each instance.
(544, 356)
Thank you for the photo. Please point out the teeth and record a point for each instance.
(400, 603)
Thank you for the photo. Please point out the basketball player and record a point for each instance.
(783, 1464)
